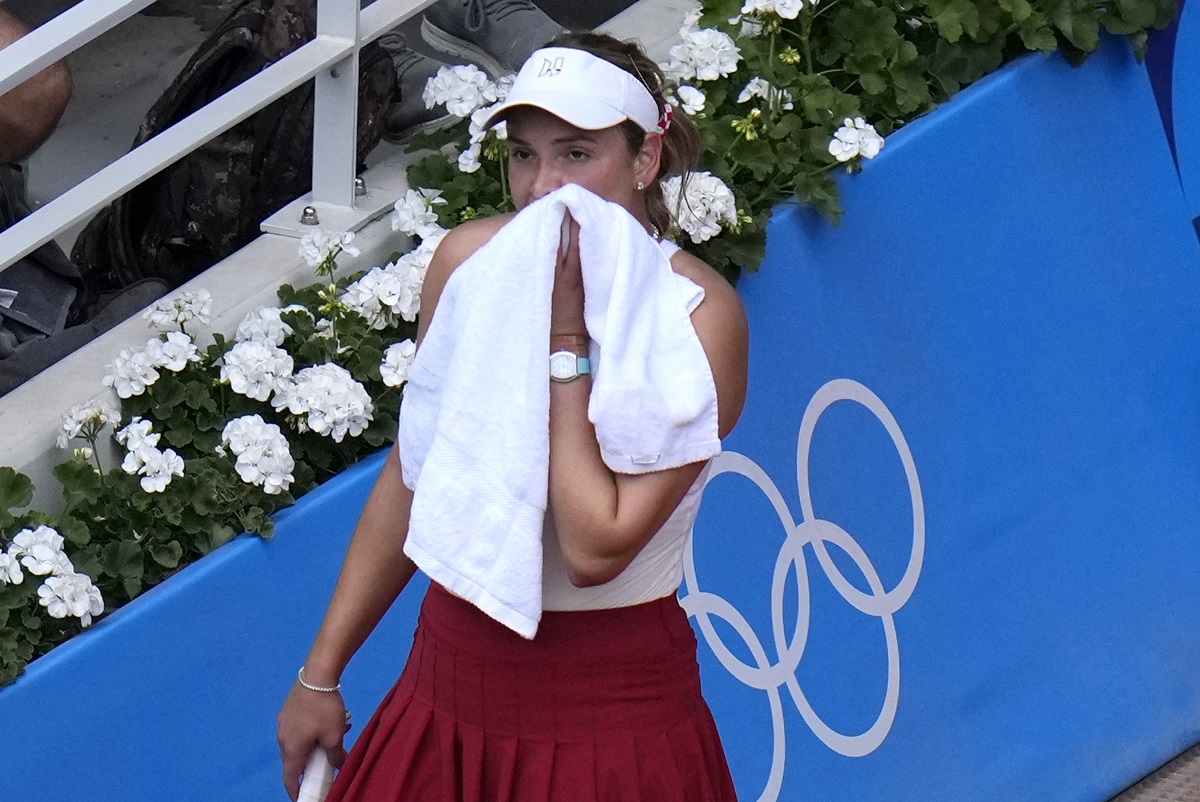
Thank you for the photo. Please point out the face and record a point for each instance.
(546, 152)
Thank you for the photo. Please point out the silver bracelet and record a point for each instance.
(317, 688)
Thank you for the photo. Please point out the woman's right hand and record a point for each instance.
(308, 719)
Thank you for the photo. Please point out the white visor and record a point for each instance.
(585, 90)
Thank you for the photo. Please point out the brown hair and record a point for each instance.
(681, 143)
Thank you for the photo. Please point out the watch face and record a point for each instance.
(562, 365)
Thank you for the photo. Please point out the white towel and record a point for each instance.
(474, 425)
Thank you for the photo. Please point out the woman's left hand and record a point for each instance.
(566, 302)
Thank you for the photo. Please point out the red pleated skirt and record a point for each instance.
(602, 706)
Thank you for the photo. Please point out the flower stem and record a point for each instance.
(825, 7)
(505, 197)
(91, 441)
(805, 33)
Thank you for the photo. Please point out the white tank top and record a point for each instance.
(657, 570)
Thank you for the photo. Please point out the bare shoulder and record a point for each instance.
(721, 301)
(720, 322)
(466, 238)
(455, 248)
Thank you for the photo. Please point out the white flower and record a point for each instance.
(706, 204)
(476, 127)
(759, 87)
(253, 368)
(84, 453)
(266, 324)
(463, 88)
(38, 549)
(855, 138)
(423, 253)
(319, 245)
(131, 372)
(240, 433)
(334, 403)
(10, 570)
(137, 435)
(412, 268)
(704, 55)
(365, 296)
(62, 564)
(397, 359)
(384, 293)
(263, 455)
(468, 160)
(788, 9)
(86, 420)
(143, 457)
(71, 594)
(167, 313)
(173, 353)
(691, 99)
(414, 212)
(157, 468)
(504, 85)
(751, 26)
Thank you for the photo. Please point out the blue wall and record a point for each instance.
(995, 596)
(1017, 281)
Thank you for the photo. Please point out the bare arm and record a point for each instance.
(374, 573)
(376, 570)
(604, 519)
(30, 111)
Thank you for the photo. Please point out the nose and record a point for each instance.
(548, 179)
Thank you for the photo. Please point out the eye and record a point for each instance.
(578, 155)
(519, 154)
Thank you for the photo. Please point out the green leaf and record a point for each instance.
(124, 559)
(870, 28)
(954, 18)
(180, 435)
(198, 394)
(16, 491)
(216, 536)
(167, 556)
(132, 586)
(1080, 25)
(873, 83)
(80, 482)
(1036, 34)
(88, 562)
(1018, 9)
(74, 530)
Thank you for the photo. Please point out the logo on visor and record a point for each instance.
(551, 68)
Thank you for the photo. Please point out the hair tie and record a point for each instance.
(664, 122)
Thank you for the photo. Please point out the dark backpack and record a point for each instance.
(210, 203)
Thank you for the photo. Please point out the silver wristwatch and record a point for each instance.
(567, 366)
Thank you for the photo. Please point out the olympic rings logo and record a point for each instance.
(817, 532)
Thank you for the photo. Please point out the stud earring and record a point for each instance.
(641, 185)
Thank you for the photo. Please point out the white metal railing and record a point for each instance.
(331, 58)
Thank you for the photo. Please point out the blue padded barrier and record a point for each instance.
(999, 343)
(174, 697)
(1016, 281)
(1185, 103)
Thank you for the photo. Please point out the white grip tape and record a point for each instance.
(318, 777)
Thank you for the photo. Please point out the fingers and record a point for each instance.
(292, 768)
(565, 237)
(568, 244)
(334, 749)
(337, 757)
